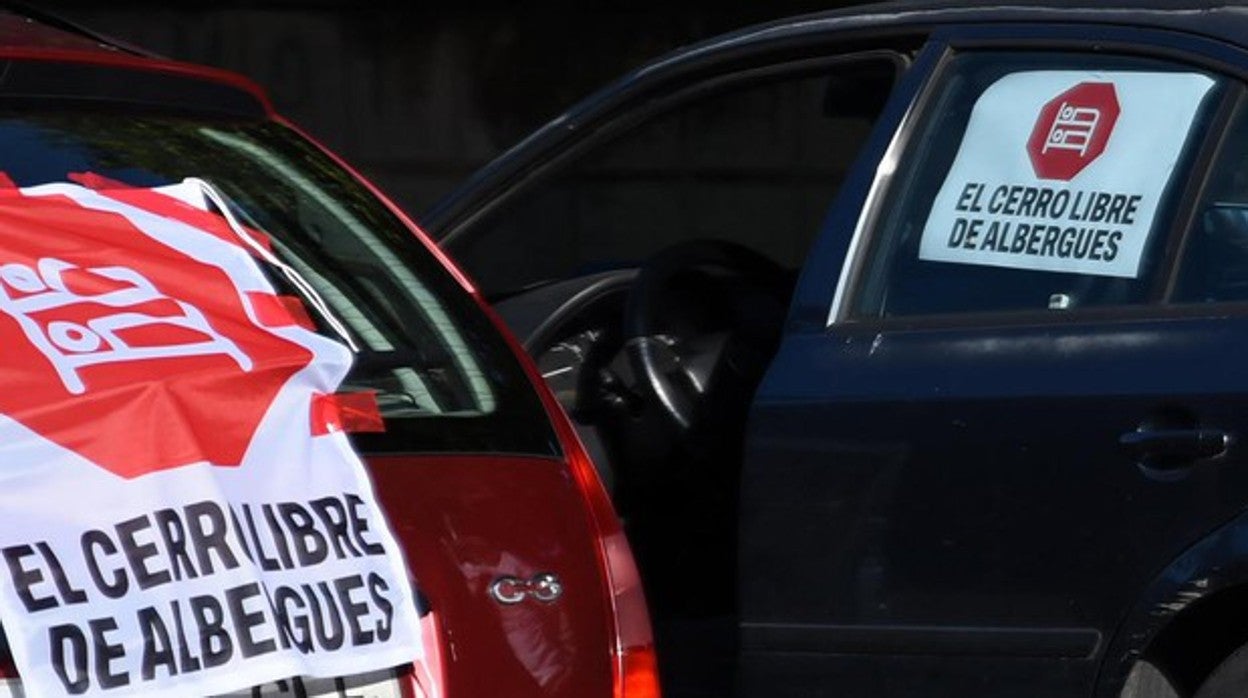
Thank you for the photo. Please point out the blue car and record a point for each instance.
(911, 339)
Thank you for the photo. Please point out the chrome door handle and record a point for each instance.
(1174, 448)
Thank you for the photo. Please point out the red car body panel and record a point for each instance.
(30, 41)
(464, 521)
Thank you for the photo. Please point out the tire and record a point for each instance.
(1230, 679)
(1147, 681)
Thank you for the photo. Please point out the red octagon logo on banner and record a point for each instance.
(124, 350)
(1072, 130)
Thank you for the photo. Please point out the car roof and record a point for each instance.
(19, 31)
(97, 67)
(1222, 21)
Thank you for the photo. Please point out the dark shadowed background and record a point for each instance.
(420, 95)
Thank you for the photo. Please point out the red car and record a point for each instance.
(526, 583)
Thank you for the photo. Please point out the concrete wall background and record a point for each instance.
(420, 95)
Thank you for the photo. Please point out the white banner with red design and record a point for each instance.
(1063, 171)
(182, 516)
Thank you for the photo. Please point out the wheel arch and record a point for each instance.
(1189, 618)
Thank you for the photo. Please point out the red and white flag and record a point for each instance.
(182, 514)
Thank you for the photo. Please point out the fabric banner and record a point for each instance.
(176, 520)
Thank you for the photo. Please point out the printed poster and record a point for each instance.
(1063, 171)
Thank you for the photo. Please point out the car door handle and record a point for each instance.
(1173, 448)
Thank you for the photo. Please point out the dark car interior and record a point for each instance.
(650, 279)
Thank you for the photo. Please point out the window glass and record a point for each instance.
(444, 379)
(1036, 181)
(1214, 267)
(756, 164)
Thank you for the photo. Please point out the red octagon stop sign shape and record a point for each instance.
(1072, 130)
(127, 351)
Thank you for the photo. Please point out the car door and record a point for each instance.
(1015, 403)
(747, 151)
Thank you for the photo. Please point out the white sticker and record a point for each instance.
(1063, 171)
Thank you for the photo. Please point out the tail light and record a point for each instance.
(636, 664)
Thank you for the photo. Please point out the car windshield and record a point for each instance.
(444, 379)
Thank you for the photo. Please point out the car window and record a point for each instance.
(1034, 182)
(1214, 265)
(755, 164)
(444, 380)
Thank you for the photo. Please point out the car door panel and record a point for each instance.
(975, 498)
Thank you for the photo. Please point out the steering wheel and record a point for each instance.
(700, 325)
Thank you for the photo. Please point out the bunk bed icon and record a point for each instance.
(1072, 129)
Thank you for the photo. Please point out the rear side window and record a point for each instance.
(1214, 267)
(1037, 181)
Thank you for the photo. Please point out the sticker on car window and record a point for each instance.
(1063, 171)
(184, 512)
